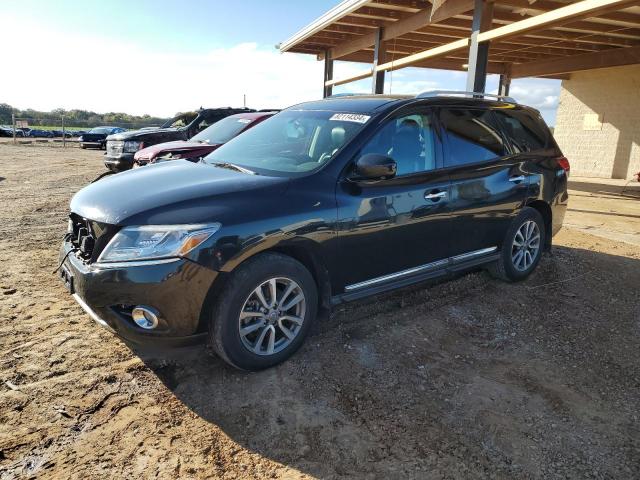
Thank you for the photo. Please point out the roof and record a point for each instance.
(357, 103)
(588, 27)
(353, 104)
(252, 115)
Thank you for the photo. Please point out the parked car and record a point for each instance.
(122, 147)
(203, 143)
(97, 137)
(325, 202)
(7, 131)
(38, 133)
(62, 133)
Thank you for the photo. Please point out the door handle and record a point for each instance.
(517, 179)
(435, 196)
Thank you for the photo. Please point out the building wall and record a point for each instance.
(598, 122)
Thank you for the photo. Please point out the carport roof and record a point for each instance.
(527, 37)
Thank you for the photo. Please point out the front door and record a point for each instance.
(488, 183)
(392, 229)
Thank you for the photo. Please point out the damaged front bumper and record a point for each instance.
(175, 288)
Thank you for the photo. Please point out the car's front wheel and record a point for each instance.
(264, 312)
(522, 247)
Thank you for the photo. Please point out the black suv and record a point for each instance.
(325, 202)
(121, 147)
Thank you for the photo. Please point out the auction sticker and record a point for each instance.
(350, 117)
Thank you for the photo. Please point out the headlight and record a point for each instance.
(149, 242)
(132, 147)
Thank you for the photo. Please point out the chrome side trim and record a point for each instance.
(421, 268)
(139, 263)
(384, 278)
(475, 253)
(91, 313)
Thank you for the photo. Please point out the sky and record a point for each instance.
(160, 57)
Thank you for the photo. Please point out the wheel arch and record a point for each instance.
(545, 210)
(304, 251)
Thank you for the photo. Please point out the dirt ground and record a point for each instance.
(472, 378)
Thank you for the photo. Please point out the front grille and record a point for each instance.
(115, 148)
(89, 237)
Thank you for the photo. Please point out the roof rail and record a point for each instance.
(346, 94)
(459, 93)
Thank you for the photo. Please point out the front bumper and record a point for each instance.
(119, 164)
(177, 289)
(91, 143)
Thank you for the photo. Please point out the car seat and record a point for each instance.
(338, 135)
(406, 149)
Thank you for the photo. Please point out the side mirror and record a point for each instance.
(374, 166)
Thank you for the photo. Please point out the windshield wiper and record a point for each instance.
(232, 166)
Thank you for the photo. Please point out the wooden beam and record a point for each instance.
(353, 78)
(546, 6)
(440, 51)
(406, 25)
(614, 57)
(340, 10)
(443, 9)
(436, 63)
(560, 16)
(562, 33)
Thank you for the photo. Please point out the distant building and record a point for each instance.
(598, 122)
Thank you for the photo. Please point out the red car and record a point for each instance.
(203, 143)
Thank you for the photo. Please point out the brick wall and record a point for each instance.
(609, 150)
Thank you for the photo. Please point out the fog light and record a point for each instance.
(145, 317)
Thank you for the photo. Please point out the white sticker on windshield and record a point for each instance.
(244, 120)
(350, 117)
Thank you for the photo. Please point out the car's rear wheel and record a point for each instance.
(264, 312)
(522, 247)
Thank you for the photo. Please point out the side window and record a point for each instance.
(473, 136)
(409, 140)
(207, 121)
(525, 131)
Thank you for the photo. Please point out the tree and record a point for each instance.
(5, 113)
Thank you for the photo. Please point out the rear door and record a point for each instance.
(389, 230)
(488, 181)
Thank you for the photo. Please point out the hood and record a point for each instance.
(179, 146)
(93, 136)
(163, 134)
(176, 192)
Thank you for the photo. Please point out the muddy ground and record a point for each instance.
(468, 379)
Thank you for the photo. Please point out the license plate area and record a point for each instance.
(67, 278)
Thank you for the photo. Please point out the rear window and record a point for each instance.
(526, 132)
(472, 136)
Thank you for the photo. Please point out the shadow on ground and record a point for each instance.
(467, 379)
(631, 189)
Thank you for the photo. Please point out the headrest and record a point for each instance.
(337, 135)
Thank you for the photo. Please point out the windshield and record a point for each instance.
(181, 120)
(106, 130)
(293, 141)
(222, 131)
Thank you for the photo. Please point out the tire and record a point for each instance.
(238, 295)
(511, 267)
(83, 146)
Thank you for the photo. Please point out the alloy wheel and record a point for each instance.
(526, 246)
(271, 316)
